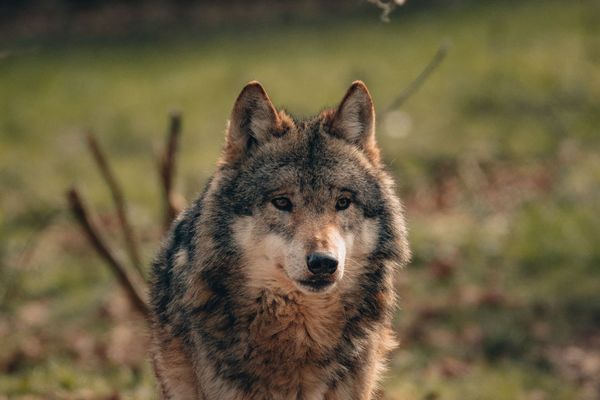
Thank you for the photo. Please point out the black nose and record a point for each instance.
(321, 263)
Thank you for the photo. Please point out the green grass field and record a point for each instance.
(497, 158)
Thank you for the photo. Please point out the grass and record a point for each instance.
(496, 158)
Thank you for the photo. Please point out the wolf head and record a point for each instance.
(307, 202)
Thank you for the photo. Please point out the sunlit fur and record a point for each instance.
(233, 316)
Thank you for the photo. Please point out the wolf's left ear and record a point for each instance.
(354, 120)
(253, 122)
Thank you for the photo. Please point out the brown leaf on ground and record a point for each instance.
(449, 367)
(127, 344)
(580, 363)
(34, 313)
(83, 345)
(442, 269)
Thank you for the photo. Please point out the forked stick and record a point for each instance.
(132, 288)
(167, 169)
(119, 201)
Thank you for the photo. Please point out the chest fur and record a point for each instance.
(292, 340)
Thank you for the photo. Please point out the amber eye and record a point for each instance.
(282, 203)
(342, 203)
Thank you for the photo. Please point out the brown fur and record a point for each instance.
(172, 367)
(237, 315)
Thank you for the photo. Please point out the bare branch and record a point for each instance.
(167, 169)
(132, 288)
(416, 84)
(119, 201)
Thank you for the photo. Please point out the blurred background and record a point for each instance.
(497, 157)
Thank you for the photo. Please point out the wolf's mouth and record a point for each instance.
(317, 282)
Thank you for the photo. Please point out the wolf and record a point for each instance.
(277, 283)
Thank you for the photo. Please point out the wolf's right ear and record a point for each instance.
(253, 122)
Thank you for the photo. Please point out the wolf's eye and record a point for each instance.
(282, 203)
(342, 203)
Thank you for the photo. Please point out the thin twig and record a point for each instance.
(416, 84)
(44, 222)
(119, 201)
(10, 277)
(167, 168)
(132, 288)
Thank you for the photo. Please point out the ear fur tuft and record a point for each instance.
(354, 120)
(254, 121)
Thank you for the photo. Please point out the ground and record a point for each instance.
(497, 159)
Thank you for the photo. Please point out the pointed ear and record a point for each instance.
(354, 120)
(253, 122)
